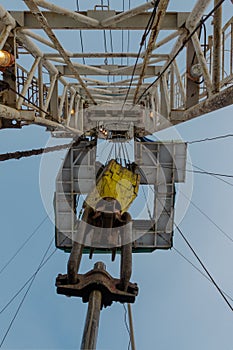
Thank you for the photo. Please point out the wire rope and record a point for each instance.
(26, 283)
(208, 276)
(80, 33)
(204, 267)
(146, 32)
(105, 42)
(128, 36)
(180, 49)
(210, 139)
(25, 294)
(111, 43)
(203, 213)
(215, 176)
(24, 244)
(204, 172)
(207, 217)
(200, 262)
(126, 325)
(32, 152)
(122, 35)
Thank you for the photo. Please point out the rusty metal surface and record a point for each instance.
(97, 279)
(90, 332)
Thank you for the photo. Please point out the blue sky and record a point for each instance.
(176, 307)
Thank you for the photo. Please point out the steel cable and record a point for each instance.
(24, 243)
(26, 283)
(208, 276)
(25, 294)
(80, 33)
(180, 49)
(146, 32)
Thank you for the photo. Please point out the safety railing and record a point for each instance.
(226, 68)
(31, 97)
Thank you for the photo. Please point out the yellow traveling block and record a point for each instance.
(116, 182)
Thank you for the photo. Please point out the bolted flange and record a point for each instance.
(97, 279)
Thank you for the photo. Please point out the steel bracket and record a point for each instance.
(97, 279)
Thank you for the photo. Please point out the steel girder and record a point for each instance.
(56, 87)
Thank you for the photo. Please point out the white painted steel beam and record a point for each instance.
(53, 79)
(84, 67)
(191, 22)
(217, 48)
(81, 116)
(71, 102)
(166, 40)
(139, 65)
(76, 113)
(98, 54)
(9, 23)
(41, 40)
(169, 92)
(127, 14)
(62, 101)
(97, 82)
(57, 126)
(6, 17)
(28, 82)
(203, 63)
(64, 12)
(214, 102)
(156, 25)
(35, 51)
(4, 35)
(42, 20)
(150, 70)
(196, 14)
(99, 90)
(29, 117)
(179, 81)
(172, 21)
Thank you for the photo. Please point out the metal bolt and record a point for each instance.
(100, 265)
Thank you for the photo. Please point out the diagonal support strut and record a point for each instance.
(43, 21)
